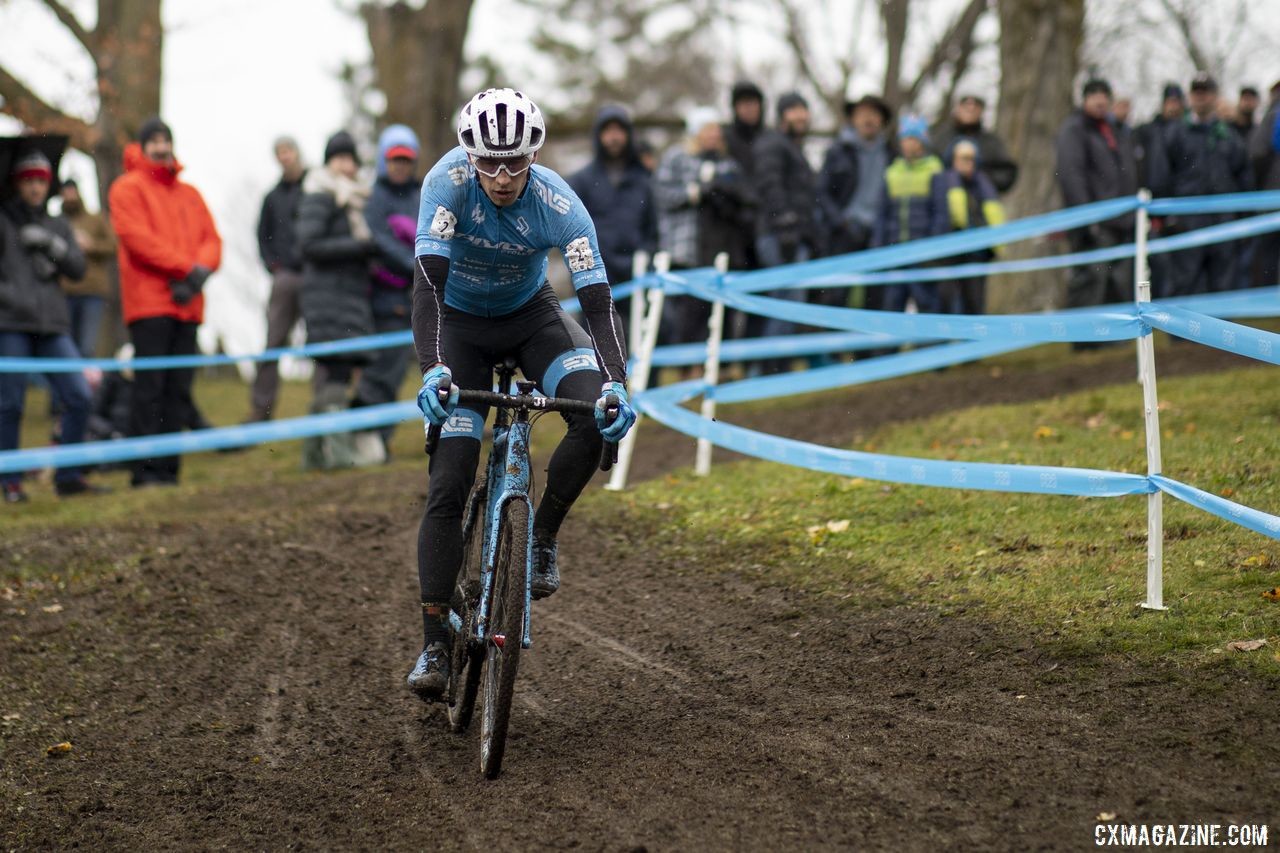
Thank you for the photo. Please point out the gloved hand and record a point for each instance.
(37, 238)
(198, 276)
(626, 415)
(184, 290)
(434, 412)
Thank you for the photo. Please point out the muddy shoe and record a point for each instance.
(431, 674)
(13, 494)
(546, 576)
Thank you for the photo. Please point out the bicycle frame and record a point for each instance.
(508, 479)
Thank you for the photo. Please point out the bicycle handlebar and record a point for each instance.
(609, 453)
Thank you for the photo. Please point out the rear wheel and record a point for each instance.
(506, 632)
(468, 657)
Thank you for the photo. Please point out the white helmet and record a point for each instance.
(501, 123)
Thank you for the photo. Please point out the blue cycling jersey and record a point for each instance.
(498, 255)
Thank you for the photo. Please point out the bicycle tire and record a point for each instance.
(503, 660)
(467, 659)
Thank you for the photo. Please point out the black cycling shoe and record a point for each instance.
(430, 676)
(78, 486)
(546, 576)
(13, 493)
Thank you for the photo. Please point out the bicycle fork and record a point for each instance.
(510, 482)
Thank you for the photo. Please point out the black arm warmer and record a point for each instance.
(429, 275)
(606, 331)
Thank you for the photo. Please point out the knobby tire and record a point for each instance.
(507, 618)
(467, 659)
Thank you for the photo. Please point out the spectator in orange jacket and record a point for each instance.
(168, 248)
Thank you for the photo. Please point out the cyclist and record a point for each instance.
(488, 217)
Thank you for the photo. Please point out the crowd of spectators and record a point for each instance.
(752, 184)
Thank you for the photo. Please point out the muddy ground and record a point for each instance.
(242, 689)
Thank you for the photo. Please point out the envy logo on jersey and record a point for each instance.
(477, 214)
(523, 226)
(579, 256)
(554, 200)
(501, 245)
(443, 224)
(580, 361)
(459, 424)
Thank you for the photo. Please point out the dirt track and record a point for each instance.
(243, 690)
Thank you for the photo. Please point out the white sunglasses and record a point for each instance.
(491, 166)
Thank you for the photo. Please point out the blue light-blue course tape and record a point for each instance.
(125, 449)
(1256, 520)
(1099, 325)
(987, 476)
(1203, 329)
(620, 291)
(1228, 203)
(782, 346)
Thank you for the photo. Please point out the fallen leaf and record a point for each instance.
(1189, 428)
(1095, 421)
(1272, 594)
(1246, 645)
(1227, 492)
(1200, 564)
(838, 526)
(1258, 560)
(59, 748)
(1105, 816)
(1126, 434)
(52, 608)
(9, 718)
(1239, 439)
(1045, 432)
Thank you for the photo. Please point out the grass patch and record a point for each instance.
(1068, 571)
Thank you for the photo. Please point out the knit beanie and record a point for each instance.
(341, 143)
(152, 127)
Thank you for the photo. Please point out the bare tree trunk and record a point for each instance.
(417, 60)
(126, 49)
(894, 15)
(1039, 57)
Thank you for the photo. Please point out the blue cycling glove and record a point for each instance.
(626, 415)
(434, 412)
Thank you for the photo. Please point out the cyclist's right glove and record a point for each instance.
(434, 412)
(625, 419)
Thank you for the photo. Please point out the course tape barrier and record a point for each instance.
(782, 346)
(1232, 337)
(1256, 520)
(197, 441)
(664, 405)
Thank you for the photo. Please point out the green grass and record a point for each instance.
(1068, 571)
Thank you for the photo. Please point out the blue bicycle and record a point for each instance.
(489, 618)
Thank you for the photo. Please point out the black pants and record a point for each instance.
(1098, 284)
(552, 350)
(161, 398)
(1203, 269)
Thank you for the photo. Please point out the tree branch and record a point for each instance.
(33, 111)
(795, 39)
(954, 45)
(71, 22)
(894, 15)
(1182, 19)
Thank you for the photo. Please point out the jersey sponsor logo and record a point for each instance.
(579, 256)
(477, 214)
(579, 361)
(459, 423)
(523, 226)
(556, 201)
(443, 224)
(459, 175)
(500, 245)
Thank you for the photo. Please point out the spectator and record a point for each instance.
(1149, 143)
(1205, 157)
(278, 248)
(786, 226)
(168, 248)
(906, 209)
(1096, 162)
(1246, 108)
(966, 120)
(703, 205)
(1264, 152)
(851, 184)
(336, 244)
(962, 198)
(35, 249)
(617, 191)
(740, 135)
(392, 214)
(1121, 110)
(648, 155)
(86, 298)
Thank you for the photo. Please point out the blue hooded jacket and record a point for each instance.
(389, 200)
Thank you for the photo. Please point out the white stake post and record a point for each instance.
(640, 377)
(711, 369)
(1151, 411)
(639, 267)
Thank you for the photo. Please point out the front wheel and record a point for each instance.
(506, 633)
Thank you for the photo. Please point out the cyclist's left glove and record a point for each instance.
(626, 415)
(433, 411)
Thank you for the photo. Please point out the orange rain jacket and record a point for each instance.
(164, 229)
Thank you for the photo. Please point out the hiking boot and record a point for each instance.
(78, 486)
(13, 494)
(430, 675)
(546, 576)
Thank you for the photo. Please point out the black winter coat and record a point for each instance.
(837, 182)
(1206, 158)
(31, 300)
(625, 215)
(277, 239)
(993, 156)
(335, 278)
(1262, 150)
(1152, 155)
(788, 192)
(1090, 170)
(740, 140)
